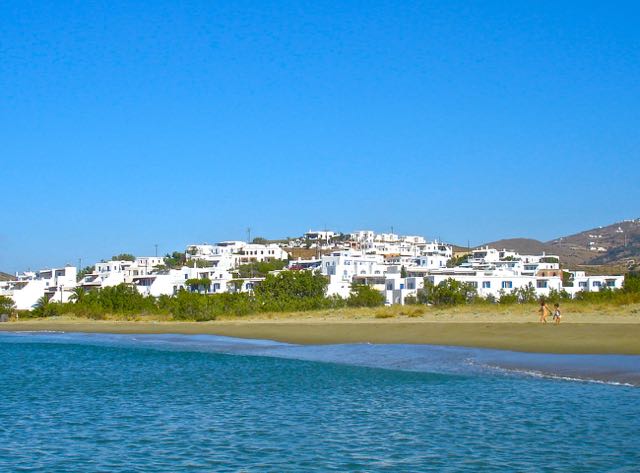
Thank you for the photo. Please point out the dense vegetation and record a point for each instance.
(7, 307)
(259, 269)
(284, 292)
(452, 292)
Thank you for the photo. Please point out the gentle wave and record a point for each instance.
(615, 370)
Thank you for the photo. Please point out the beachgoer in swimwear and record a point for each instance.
(557, 315)
(544, 312)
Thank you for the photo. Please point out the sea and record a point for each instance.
(74, 402)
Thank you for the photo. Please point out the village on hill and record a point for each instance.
(397, 266)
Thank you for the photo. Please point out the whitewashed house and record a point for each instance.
(231, 254)
(342, 266)
(115, 272)
(55, 284)
(579, 281)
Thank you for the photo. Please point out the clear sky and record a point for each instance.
(129, 124)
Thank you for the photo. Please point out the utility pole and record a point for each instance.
(249, 256)
(156, 245)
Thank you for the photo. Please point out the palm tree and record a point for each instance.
(77, 295)
(43, 307)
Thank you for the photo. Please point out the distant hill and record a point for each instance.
(525, 246)
(5, 276)
(616, 245)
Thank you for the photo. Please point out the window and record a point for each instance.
(541, 284)
(583, 284)
(611, 283)
(473, 284)
(596, 284)
(507, 284)
(486, 284)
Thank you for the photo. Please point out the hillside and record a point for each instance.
(523, 246)
(618, 243)
(5, 276)
(616, 246)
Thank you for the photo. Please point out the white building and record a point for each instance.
(55, 284)
(254, 253)
(320, 235)
(231, 254)
(496, 282)
(579, 281)
(342, 266)
(114, 272)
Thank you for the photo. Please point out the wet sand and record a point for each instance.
(595, 337)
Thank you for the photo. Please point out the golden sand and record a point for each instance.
(599, 331)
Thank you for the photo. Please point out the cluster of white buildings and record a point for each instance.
(231, 254)
(395, 265)
(27, 288)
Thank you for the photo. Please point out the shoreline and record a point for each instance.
(594, 337)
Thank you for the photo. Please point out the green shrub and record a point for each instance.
(365, 296)
(447, 292)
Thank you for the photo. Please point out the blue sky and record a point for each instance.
(126, 124)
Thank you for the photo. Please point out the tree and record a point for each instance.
(78, 295)
(123, 257)
(365, 296)
(631, 283)
(526, 294)
(198, 285)
(45, 308)
(260, 269)
(176, 259)
(447, 292)
(84, 271)
(292, 285)
(7, 306)
(403, 272)
(507, 297)
(457, 261)
(291, 290)
(260, 241)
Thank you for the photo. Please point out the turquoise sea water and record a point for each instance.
(81, 402)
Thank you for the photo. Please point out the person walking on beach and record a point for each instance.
(544, 312)
(556, 313)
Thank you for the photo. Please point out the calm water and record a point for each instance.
(75, 402)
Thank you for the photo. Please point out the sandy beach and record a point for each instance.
(598, 332)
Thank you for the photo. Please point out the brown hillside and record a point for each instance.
(525, 246)
(610, 248)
